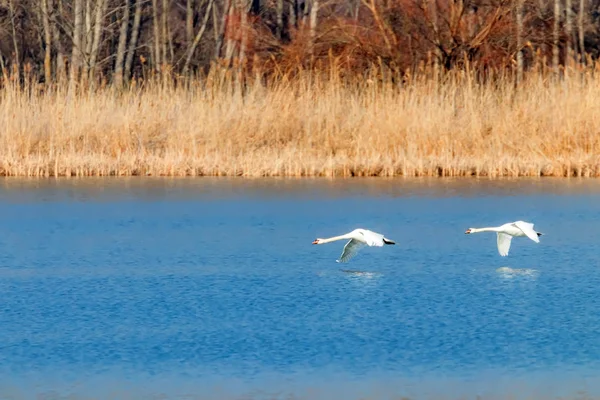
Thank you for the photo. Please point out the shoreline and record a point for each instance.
(307, 177)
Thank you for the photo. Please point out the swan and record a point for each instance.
(358, 239)
(507, 231)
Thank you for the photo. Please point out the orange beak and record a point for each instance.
(467, 231)
(316, 241)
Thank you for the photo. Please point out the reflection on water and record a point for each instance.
(509, 273)
(364, 274)
(179, 188)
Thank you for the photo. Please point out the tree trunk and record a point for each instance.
(61, 73)
(314, 10)
(293, 13)
(170, 42)
(227, 18)
(436, 39)
(519, 12)
(279, 19)
(569, 31)
(581, 33)
(86, 42)
(198, 37)
(157, 39)
(47, 41)
(76, 51)
(164, 30)
(189, 21)
(17, 59)
(101, 6)
(118, 78)
(218, 30)
(555, 35)
(135, 31)
(541, 13)
(244, 30)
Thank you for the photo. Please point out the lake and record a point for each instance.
(209, 288)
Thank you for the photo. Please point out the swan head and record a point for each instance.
(468, 231)
(317, 241)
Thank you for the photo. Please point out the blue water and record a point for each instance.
(134, 288)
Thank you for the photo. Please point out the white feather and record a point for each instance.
(507, 231)
(358, 239)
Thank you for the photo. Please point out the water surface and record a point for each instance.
(145, 287)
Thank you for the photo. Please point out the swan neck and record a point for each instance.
(334, 238)
(491, 229)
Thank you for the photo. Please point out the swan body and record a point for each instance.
(358, 239)
(506, 232)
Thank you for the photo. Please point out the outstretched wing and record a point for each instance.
(372, 238)
(527, 229)
(503, 243)
(350, 250)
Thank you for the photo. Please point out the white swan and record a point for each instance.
(507, 231)
(358, 239)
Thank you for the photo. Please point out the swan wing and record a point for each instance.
(503, 243)
(373, 238)
(527, 229)
(350, 250)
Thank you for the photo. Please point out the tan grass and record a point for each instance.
(307, 127)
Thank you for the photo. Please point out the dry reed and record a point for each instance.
(307, 126)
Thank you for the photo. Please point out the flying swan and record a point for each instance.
(506, 232)
(358, 239)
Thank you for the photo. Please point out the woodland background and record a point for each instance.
(114, 41)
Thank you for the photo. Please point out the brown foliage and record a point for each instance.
(351, 36)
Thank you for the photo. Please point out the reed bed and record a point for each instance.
(308, 125)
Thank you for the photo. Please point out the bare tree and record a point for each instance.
(556, 36)
(433, 9)
(76, 54)
(198, 37)
(61, 73)
(292, 12)
(86, 40)
(244, 30)
(519, 12)
(118, 74)
(227, 18)
(47, 42)
(135, 31)
(78, 40)
(164, 30)
(157, 39)
(189, 21)
(568, 31)
(219, 30)
(17, 57)
(580, 32)
(101, 6)
(314, 11)
(279, 31)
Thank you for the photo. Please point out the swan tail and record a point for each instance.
(388, 241)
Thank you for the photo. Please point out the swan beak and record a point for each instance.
(467, 232)
(316, 241)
